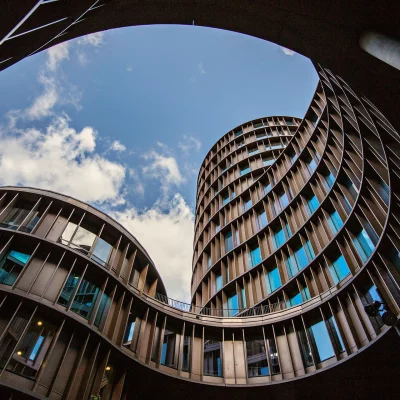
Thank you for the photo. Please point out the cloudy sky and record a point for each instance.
(123, 119)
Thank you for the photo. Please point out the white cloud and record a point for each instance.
(94, 39)
(137, 186)
(201, 69)
(117, 146)
(188, 143)
(129, 69)
(57, 54)
(82, 58)
(61, 159)
(168, 238)
(286, 51)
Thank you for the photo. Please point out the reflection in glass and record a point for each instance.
(257, 363)
(101, 251)
(11, 266)
(212, 358)
(320, 341)
(85, 298)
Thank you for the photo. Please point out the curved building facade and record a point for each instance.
(296, 231)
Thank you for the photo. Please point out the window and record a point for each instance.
(233, 305)
(329, 179)
(217, 227)
(294, 158)
(273, 357)
(372, 294)
(310, 250)
(11, 266)
(243, 295)
(168, 349)
(68, 289)
(334, 221)
(130, 328)
(225, 199)
(291, 266)
(320, 341)
(313, 204)
(208, 261)
(85, 299)
(288, 232)
(254, 257)
(275, 146)
(311, 165)
(289, 122)
(267, 188)
(218, 282)
(102, 312)
(247, 203)
(261, 135)
(101, 251)
(279, 238)
(273, 280)
(335, 334)
(364, 245)
(283, 199)
(186, 354)
(301, 257)
(237, 238)
(257, 363)
(305, 348)
(238, 132)
(212, 358)
(15, 217)
(262, 219)
(339, 269)
(295, 300)
(244, 170)
(258, 125)
(253, 150)
(233, 195)
(268, 160)
(68, 233)
(240, 144)
(228, 241)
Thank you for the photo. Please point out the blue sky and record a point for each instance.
(132, 113)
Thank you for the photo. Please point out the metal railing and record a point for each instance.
(221, 312)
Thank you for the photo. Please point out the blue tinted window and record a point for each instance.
(239, 132)
(103, 308)
(294, 158)
(262, 219)
(313, 204)
(233, 195)
(85, 299)
(36, 348)
(218, 282)
(336, 334)
(364, 245)
(233, 305)
(310, 250)
(301, 257)
(101, 251)
(320, 338)
(291, 266)
(279, 238)
(11, 266)
(339, 269)
(243, 293)
(254, 257)
(254, 150)
(295, 300)
(284, 200)
(18, 257)
(267, 188)
(244, 170)
(305, 294)
(228, 241)
(208, 261)
(268, 161)
(312, 165)
(287, 230)
(225, 200)
(334, 221)
(330, 179)
(247, 204)
(273, 280)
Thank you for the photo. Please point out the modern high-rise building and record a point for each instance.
(297, 229)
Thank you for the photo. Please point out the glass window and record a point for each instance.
(334, 221)
(253, 150)
(254, 257)
(15, 217)
(305, 348)
(283, 199)
(267, 188)
(130, 328)
(321, 342)
(217, 228)
(364, 245)
(337, 339)
(339, 269)
(305, 294)
(168, 349)
(212, 358)
(310, 250)
(237, 238)
(279, 237)
(227, 273)
(240, 144)
(186, 354)
(218, 282)
(68, 233)
(301, 257)
(291, 266)
(243, 294)
(273, 357)
(268, 160)
(11, 266)
(273, 280)
(225, 199)
(257, 363)
(262, 219)
(233, 195)
(68, 289)
(294, 158)
(83, 240)
(329, 179)
(233, 305)
(85, 299)
(208, 261)
(228, 241)
(101, 251)
(244, 170)
(311, 165)
(295, 300)
(102, 312)
(276, 146)
(247, 203)
(313, 204)
(261, 135)
(238, 132)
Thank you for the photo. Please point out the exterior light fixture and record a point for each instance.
(40, 323)
(108, 368)
(19, 353)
